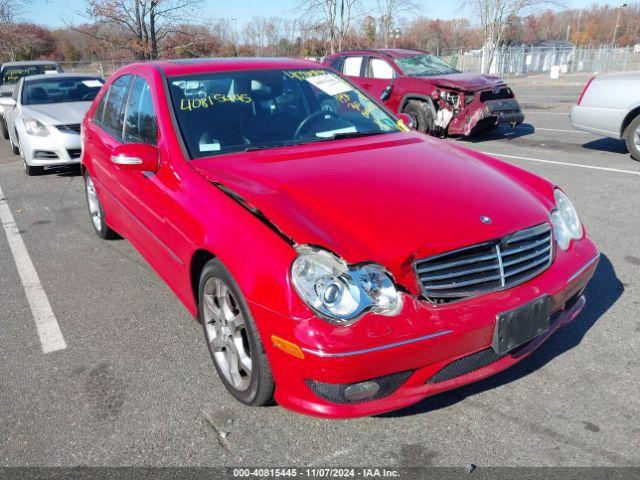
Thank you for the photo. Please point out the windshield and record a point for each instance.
(236, 111)
(13, 74)
(59, 90)
(424, 65)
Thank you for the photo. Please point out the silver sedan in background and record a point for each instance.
(44, 115)
(610, 106)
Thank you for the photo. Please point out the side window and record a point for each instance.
(351, 66)
(140, 119)
(379, 68)
(113, 117)
(99, 113)
(16, 90)
(337, 64)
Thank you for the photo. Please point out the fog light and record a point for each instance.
(361, 391)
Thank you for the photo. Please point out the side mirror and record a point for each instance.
(136, 156)
(386, 93)
(407, 120)
(7, 102)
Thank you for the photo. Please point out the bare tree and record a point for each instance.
(334, 18)
(142, 25)
(389, 11)
(494, 16)
(10, 40)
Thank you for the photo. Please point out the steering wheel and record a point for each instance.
(88, 96)
(309, 118)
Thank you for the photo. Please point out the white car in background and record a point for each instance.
(44, 115)
(12, 72)
(610, 106)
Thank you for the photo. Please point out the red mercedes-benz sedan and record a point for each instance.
(337, 261)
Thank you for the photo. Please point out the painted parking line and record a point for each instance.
(562, 131)
(567, 164)
(47, 326)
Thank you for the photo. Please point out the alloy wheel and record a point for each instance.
(636, 137)
(226, 331)
(94, 204)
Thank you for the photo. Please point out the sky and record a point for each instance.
(54, 13)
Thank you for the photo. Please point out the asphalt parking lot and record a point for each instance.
(135, 384)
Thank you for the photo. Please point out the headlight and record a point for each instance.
(35, 127)
(339, 292)
(566, 223)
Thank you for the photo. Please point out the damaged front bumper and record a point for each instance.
(477, 115)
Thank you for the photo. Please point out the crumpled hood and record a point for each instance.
(388, 199)
(465, 81)
(58, 113)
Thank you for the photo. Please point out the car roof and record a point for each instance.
(41, 76)
(29, 62)
(210, 65)
(389, 52)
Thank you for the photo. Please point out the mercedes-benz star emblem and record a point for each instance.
(484, 219)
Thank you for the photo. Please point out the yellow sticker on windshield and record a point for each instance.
(209, 101)
(402, 126)
(303, 74)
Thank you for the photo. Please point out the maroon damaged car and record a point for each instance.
(440, 99)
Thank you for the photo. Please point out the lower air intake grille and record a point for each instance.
(477, 360)
(334, 392)
(486, 267)
(44, 155)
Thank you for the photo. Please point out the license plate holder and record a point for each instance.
(518, 326)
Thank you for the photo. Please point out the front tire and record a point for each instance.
(15, 148)
(632, 138)
(96, 211)
(3, 127)
(31, 170)
(232, 337)
(421, 113)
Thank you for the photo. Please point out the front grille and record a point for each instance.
(477, 360)
(502, 94)
(486, 267)
(45, 155)
(69, 128)
(74, 153)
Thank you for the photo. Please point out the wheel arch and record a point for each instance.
(198, 260)
(628, 119)
(420, 97)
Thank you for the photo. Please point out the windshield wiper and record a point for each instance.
(335, 136)
(367, 133)
(252, 148)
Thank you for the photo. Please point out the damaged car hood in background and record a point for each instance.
(465, 81)
(387, 199)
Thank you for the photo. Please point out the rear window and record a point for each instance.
(60, 90)
(12, 74)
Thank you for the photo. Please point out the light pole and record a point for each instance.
(234, 21)
(395, 33)
(615, 30)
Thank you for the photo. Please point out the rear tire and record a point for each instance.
(5, 130)
(632, 137)
(95, 210)
(421, 113)
(232, 337)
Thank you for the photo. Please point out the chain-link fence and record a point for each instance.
(103, 68)
(508, 61)
(525, 60)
